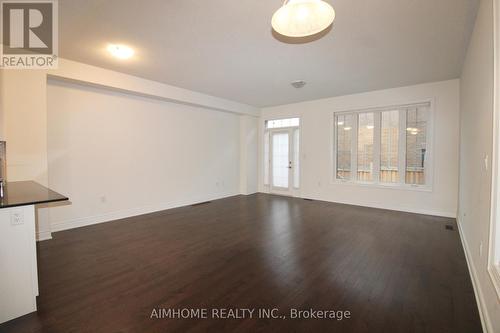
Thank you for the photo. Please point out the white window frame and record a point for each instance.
(494, 237)
(377, 110)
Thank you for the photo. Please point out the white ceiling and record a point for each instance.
(226, 48)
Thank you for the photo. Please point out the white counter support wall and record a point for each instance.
(19, 278)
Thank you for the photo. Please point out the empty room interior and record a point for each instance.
(250, 166)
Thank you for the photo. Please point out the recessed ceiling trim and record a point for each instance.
(95, 76)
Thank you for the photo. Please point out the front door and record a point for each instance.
(281, 162)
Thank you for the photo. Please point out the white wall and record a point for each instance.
(248, 154)
(117, 154)
(24, 127)
(476, 139)
(317, 168)
(23, 115)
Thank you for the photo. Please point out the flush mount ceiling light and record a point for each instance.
(300, 18)
(120, 51)
(298, 84)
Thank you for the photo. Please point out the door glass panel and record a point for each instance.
(280, 160)
(266, 158)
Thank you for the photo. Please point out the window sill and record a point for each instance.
(405, 187)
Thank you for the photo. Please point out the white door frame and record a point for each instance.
(291, 190)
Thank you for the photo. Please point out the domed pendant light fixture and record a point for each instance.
(301, 18)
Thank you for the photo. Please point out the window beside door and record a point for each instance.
(344, 132)
(389, 147)
(366, 126)
(384, 146)
(282, 123)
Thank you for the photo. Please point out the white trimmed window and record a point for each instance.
(385, 146)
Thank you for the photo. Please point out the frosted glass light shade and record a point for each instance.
(300, 18)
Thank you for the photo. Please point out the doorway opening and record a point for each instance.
(282, 156)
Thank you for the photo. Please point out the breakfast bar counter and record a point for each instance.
(27, 193)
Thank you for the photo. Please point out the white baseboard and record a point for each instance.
(43, 235)
(249, 193)
(121, 214)
(387, 207)
(483, 313)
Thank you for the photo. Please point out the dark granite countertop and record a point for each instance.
(28, 193)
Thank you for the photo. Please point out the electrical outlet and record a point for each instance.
(16, 217)
(104, 199)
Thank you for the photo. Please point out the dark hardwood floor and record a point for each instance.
(393, 271)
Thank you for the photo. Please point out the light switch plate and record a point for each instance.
(16, 217)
